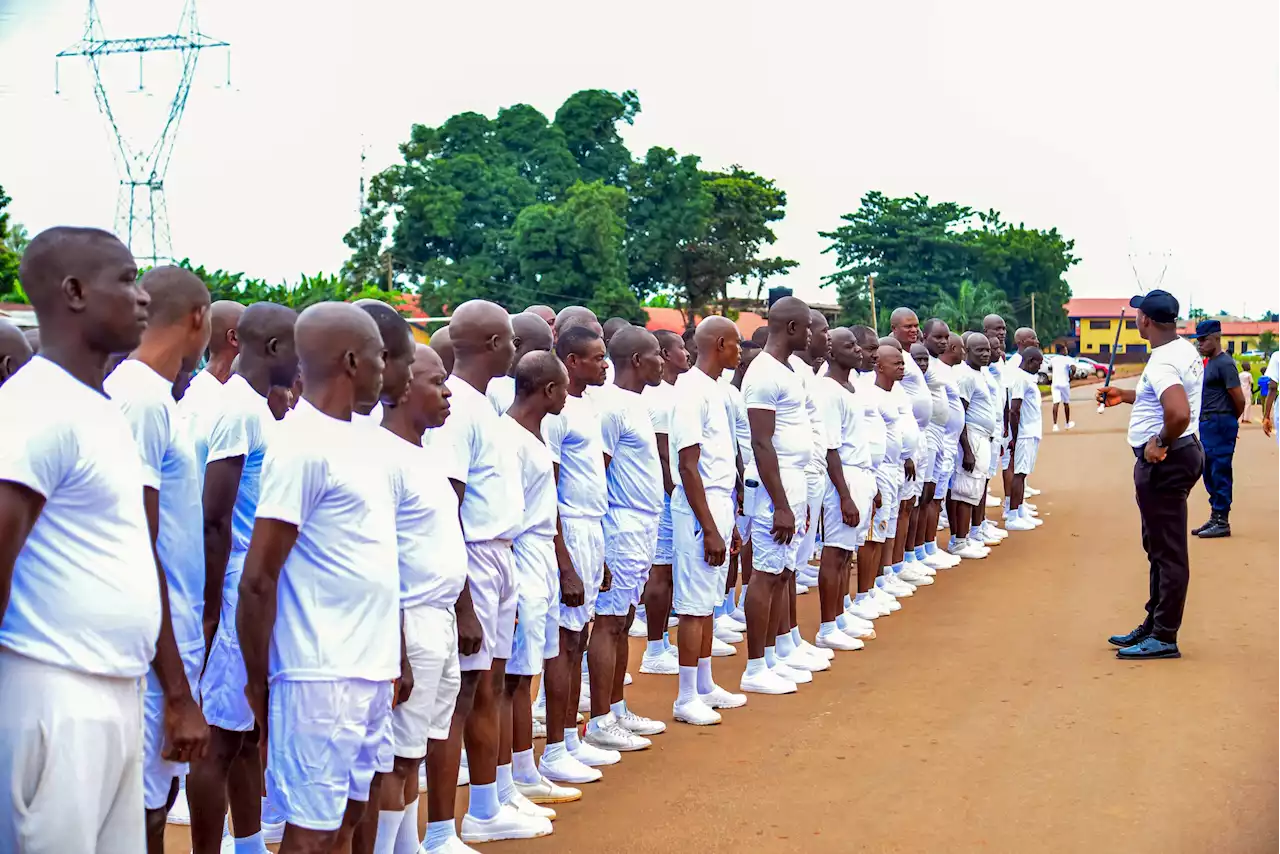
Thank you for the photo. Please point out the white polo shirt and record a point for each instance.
(84, 595)
(338, 601)
(168, 453)
(634, 475)
(1175, 363)
(431, 553)
(472, 450)
(775, 387)
(702, 418)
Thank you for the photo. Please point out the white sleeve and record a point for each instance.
(1273, 368)
(292, 483)
(553, 430)
(37, 451)
(611, 426)
(1163, 376)
(761, 394)
(966, 382)
(832, 423)
(454, 441)
(229, 436)
(149, 423)
(687, 422)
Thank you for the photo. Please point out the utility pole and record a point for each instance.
(871, 289)
(1033, 309)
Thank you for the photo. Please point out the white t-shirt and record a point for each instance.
(741, 427)
(770, 385)
(432, 554)
(241, 428)
(1175, 363)
(661, 400)
(917, 390)
(881, 418)
(199, 407)
(338, 602)
(995, 375)
(845, 415)
(1030, 419)
(978, 389)
(813, 406)
(537, 480)
(373, 419)
(167, 450)
(936, 379)
(955, 408)
(575, 441)
(1060, 370)
(634, 475)
(472, 450)
(501, 393)
(84, 595)
(702, 418)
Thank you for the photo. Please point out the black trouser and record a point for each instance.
(1218, 436)
(1162, 490)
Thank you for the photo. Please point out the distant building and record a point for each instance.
(1095, 319)
(1238, 336)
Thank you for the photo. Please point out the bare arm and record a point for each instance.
(1177, 413)
(20, 506)
(1015, 421)
(470, 633)
(695, 491)
(256, 613)
(762, 423)
(572, 591)
(221, 487)
(664, 456)
(1267, 407)
(1237, 399)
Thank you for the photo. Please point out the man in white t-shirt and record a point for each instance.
(983, 412)
(236, 447)
(318, 613)
(806, 362)
(955, 444)
(224, 346)
(398, 358)
(1268, 406)
(1164, 434)
(660, 657)
(731, 619)
(993, 326)
(704, 457)
(633, 478)
(782, 443)
(15, 350)
(529, 333)
(1026, 428)
(1023, 337)
(485, 473)
(1060, 388)
(79, 589)
(142, 385)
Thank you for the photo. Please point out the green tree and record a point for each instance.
(589, 122)
(1267, 342)
(670, 211)
(1020, 262)
(12, 237)
(969, 305)
(1196, 314)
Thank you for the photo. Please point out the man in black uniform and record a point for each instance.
(1221, 404)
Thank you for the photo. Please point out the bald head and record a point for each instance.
(889, 365)
(890, 341)
(576, 315)
(993, 322)
(631, 341)
(787, 311)
(954, 353)
(14, 350)
(442, 344)
(977, 349)
(1025, 337)
(712, 329)
(66, 252)
(481, 334)
(760, 336)
(339, 345)
(1032, 359)
(546, 312)
(175, 294)
(612, 326)
(266, 335)
(536, 370)
(531, 333)
(394, 329)
(225, 317)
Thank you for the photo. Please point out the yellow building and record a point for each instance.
(1238, 336)
(1095, 321)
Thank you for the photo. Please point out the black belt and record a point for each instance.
(1177, 444)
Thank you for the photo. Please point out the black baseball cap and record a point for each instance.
(1205, 328)
(1160, 306)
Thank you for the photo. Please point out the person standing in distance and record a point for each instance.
(1163, 432)
(80, 601)
(1272, 374)
(1221, 405)
(15, 351)
(1060, 391)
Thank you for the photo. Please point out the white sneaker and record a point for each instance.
(854, 623)
(695, 712)
(991, 529)
(1034, 521)
(1055, 428)
(659, 665)
(791, 674)
(546, 792)
(766, 682)
(1031, 490)
(922, 568)
(507, 824)
(422, 776)
(589, 754)
(992, 501)
(1031, 508)
(639, 724)
(568, 769)
(838, 640)
(526, 807)
(801, 589)
(895, 585)
(1071, 425)
(626, 678)
(584, 696)
(913, 576)
(719, 698)
(802, 661)
(969, 550)
(726, 635)
(731, 623)
(1019, 524)
(452, 845)
(612, 737)
(866, 609)
(539, 730)
(181, 812)
(720, 649)
(885, 600)
(939, 560)
(639, 629)
(812, 651)
(808, 579)
(540, 707)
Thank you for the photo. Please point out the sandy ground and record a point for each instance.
(990, 714)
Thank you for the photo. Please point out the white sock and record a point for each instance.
(688, 684)
(522, 768)
(388, 827)
(619, 709)
(506, 786)
(250, 844)
(826, 629)
(742, 597)
(654, 648)
(785, 645)
(795, 636)
(705, 683)
(755, 666)
(596, 723)
(439, 833)
(571, 742)
(407, 840)
(554, 752)
(770, 656)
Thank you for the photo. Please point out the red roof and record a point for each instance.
(1235, 327)
(673, 320)
(1098, 307)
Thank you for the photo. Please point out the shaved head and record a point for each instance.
(14, 350)
(266, 339)
(576, 315)
(786, 311)
(530, 333)
(760, 336)
(175, 294)
(629, 341)
(397, 338)
(546, 312)
(481, 334)
(536, 370)
(905, 326)
(612, 326)
(427, 399)
(1025, 337)
(338, 342)
(225, 315)
(718, 342)
(442, 344)
(890, 341)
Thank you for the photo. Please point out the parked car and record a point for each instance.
(1090, 368)
(1076, 368)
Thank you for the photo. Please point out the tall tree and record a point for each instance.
(969, 305)
(589, 121)
(10, 253)
(1020, 262)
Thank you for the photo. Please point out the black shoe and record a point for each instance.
(1150, 647)
(1219, 528)
(1138, 635)
(1209, 524)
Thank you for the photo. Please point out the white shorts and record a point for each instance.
(491, 577)
(325, 741)
(584, 538)
(909, 490)
(816, 484)
(934, 442)
(537, 636)
(890, 483)
(662, 554)
(431, 641)
(947, 463)
(862, 489)
(222, 685)
(1061, 394)
(767, 555)
(698, 586)
(993, 466)
(968, 486)
(159, 773)
(70, 760)
(1024, 455)
(1006, 454)
(630, 538)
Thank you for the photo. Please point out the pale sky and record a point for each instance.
(1134, 127)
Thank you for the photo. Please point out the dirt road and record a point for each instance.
(990, 714)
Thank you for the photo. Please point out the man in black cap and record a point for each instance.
(1163, 428)
(1221, 404)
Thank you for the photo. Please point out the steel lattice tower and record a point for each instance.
(141, 216)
